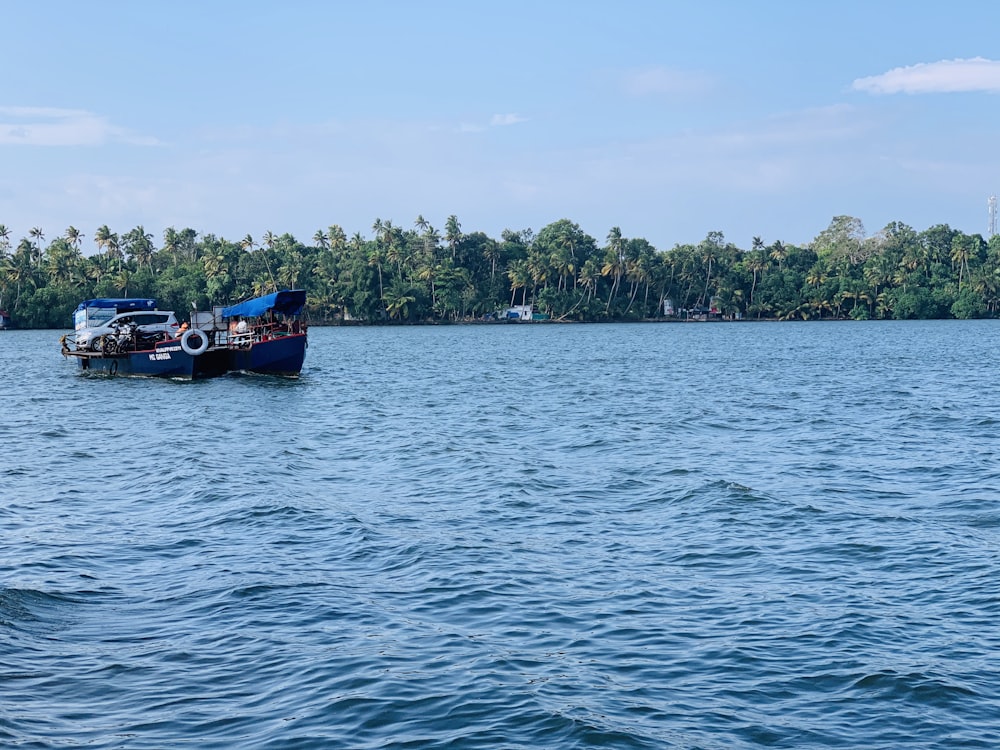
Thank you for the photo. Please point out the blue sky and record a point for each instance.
(668, 119)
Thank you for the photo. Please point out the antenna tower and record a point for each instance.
(992, 202)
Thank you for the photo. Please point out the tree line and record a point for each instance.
(419, 274)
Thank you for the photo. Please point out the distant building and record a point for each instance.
(517, 312)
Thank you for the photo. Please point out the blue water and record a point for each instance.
(521, 536)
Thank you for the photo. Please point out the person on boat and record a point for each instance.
(180, 331)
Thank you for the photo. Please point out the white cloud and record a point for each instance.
(946, 76)
(51, 126)
(789, 152)
(497, 121)
(660, 80)
(508, 119)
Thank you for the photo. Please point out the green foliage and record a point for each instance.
(968, 305)
(423, 275)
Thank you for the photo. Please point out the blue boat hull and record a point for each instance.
(167, 360)
(279, 355)
(282, 355)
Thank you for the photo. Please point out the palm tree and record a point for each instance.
(565, 243)
(538, 267)
(491, 252)
(215, 266)
(101, 237)
(562, 261)
(641, 272)
(709, 250)
(688, 271)
(778, 253)
(38, 235)
(269, 242)
(520, 277)
(398, 300)
(961, 251)
(614, 262)
(394, 250)
(114, 250)
(321, 239)
(431, 239)
(877, 272)
(60, 260)
(429, 273)
(376, 259)
(122, 280)
(139, 244)
(452, 233)
(756, 264)
(19, 268)
(75, 236)
(816, 275)
(337, 237)
(589, 274)
(288, 274)
(171, 244)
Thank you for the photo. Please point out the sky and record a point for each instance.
(667, 119)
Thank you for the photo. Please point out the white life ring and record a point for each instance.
(192, 350)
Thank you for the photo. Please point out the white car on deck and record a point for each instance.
(149, 321)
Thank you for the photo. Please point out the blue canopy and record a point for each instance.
(119, 304)
(286, 302)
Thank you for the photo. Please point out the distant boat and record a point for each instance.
(5, 321)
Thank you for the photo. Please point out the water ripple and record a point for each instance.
(512, 536)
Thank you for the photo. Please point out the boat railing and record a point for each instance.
(235, 338)
(242, 333)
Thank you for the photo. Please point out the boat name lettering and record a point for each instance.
(159, 355)
(175, 348)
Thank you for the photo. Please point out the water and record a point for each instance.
(521, 536)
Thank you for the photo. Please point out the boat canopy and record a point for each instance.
(119, 304)
(286, 302)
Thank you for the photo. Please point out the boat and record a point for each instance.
(131, 336)
(262, 335)
(109, 339)
(5, 321)
(94, 318)
(164, 359)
